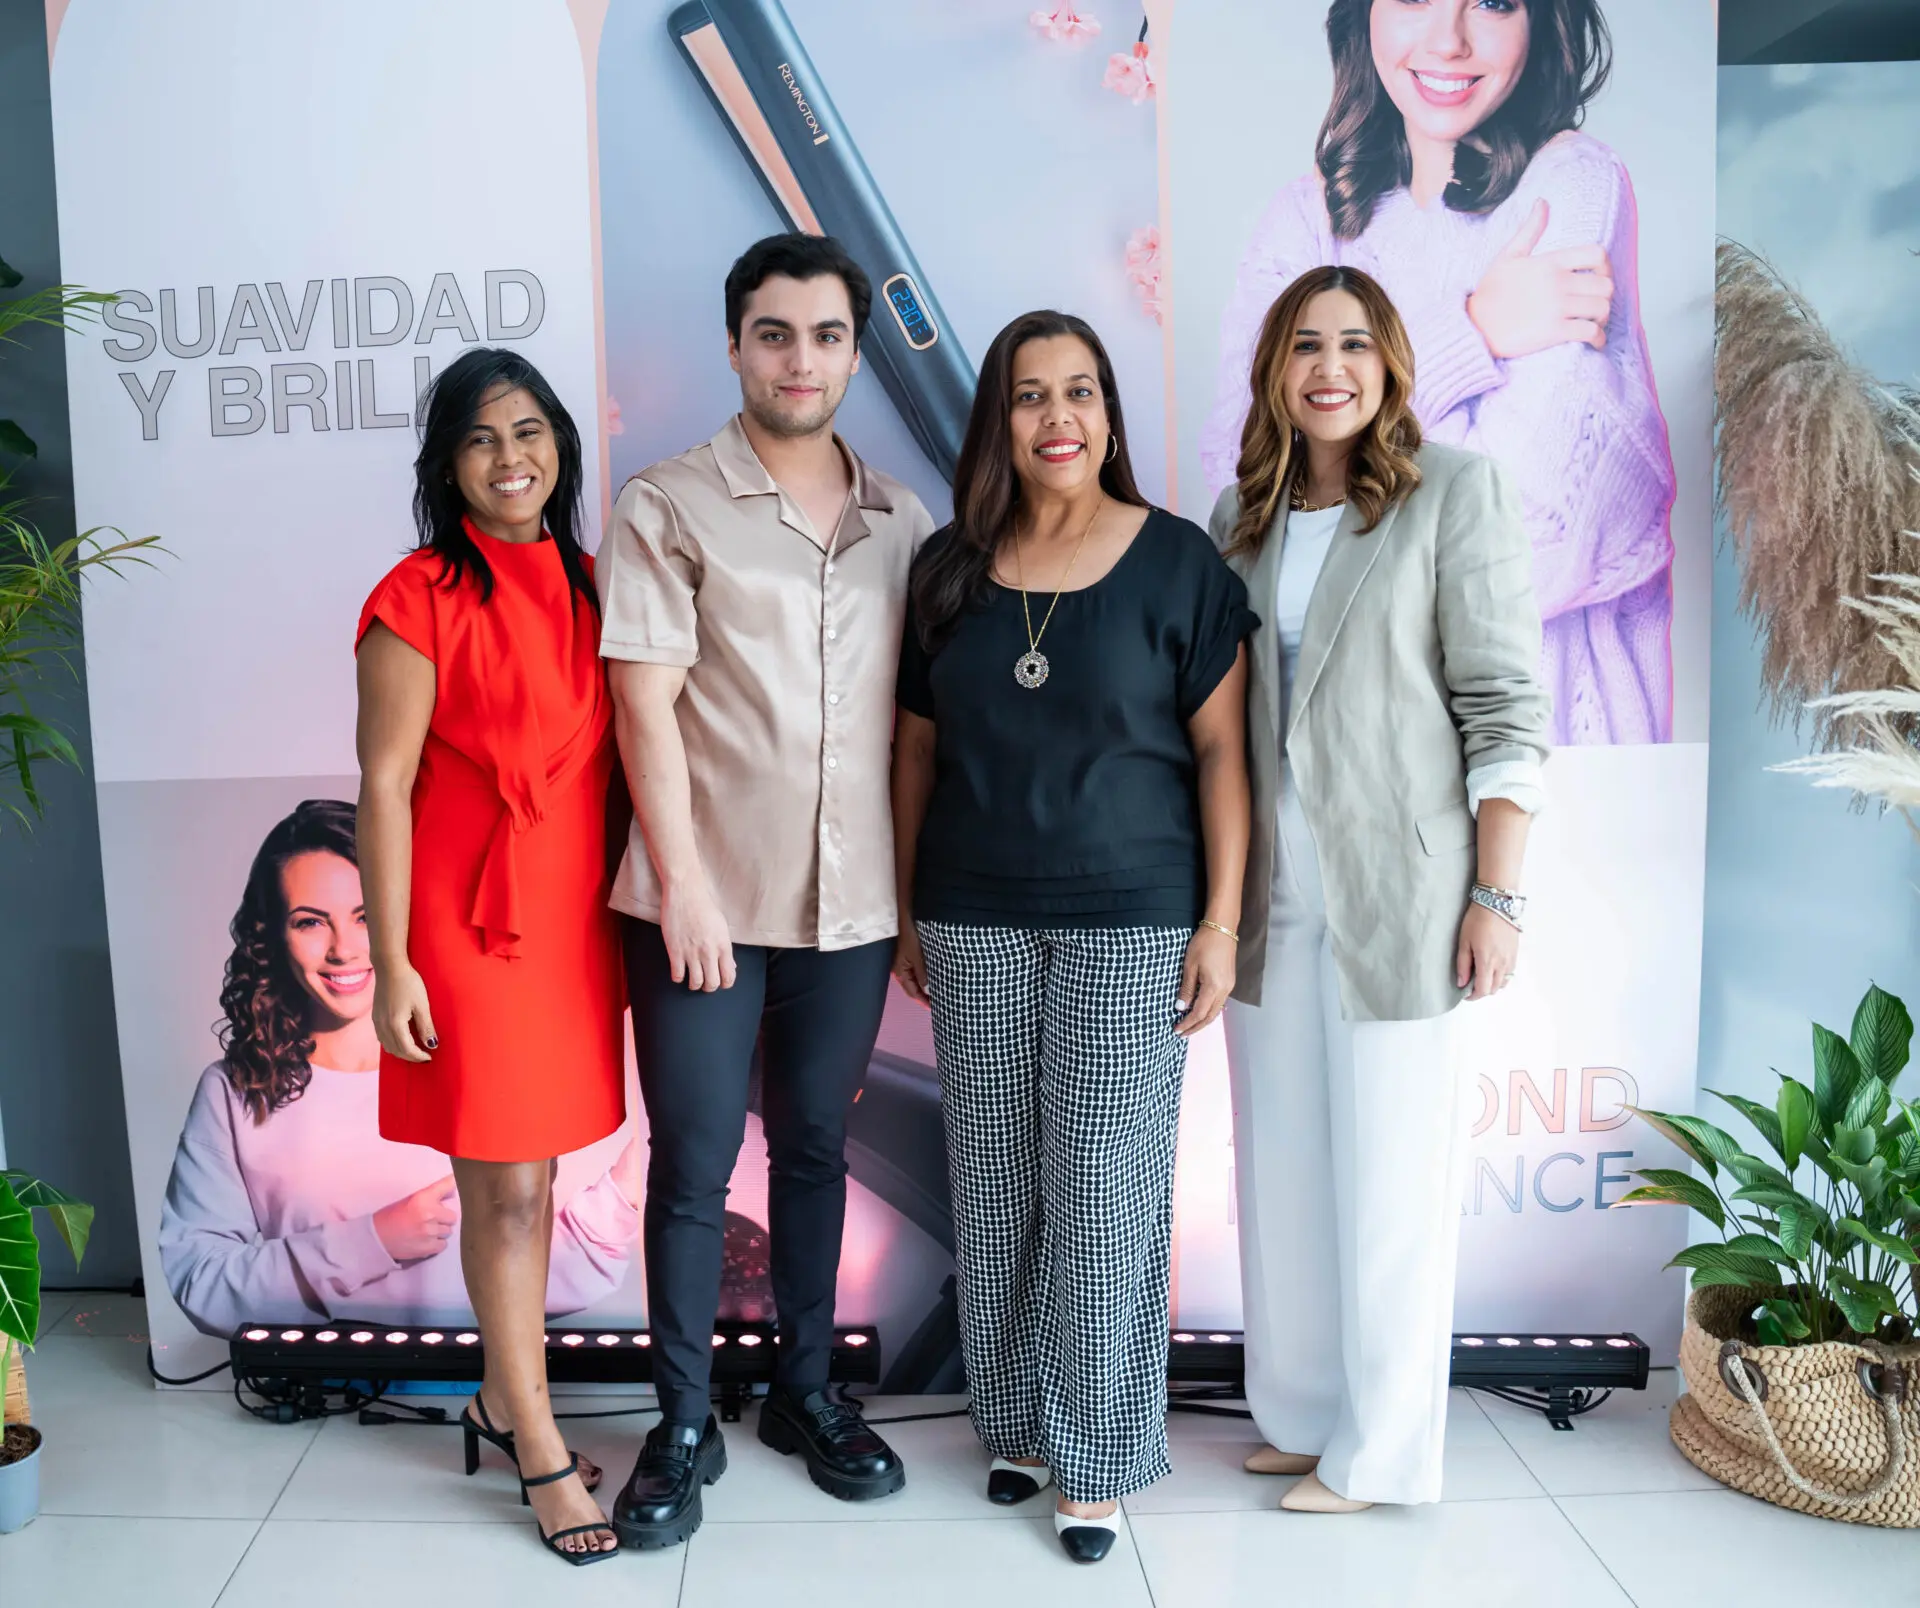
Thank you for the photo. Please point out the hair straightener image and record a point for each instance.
(762, 82)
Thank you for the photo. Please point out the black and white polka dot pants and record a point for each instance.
(1060, 1078)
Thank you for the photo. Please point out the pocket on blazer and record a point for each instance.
(1447, 831)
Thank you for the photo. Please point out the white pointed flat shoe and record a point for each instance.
(1310, 1496)
(1087, 1540)
(1271, 1460)
(1011, 1483)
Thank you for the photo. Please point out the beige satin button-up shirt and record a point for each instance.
(791, 642)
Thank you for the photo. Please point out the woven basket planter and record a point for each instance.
(1832, 1429)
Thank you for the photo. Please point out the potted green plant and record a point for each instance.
(1803, 1378)
(40, 584)
(20, 1263)
(40, 580)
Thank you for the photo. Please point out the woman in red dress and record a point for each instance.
(486, 751)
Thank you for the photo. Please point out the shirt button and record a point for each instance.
(829, 566)
(832, 635)
(832, 763)
(833, 697)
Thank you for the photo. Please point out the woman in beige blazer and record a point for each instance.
(1397, 729)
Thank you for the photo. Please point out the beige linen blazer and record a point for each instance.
(1417, 664)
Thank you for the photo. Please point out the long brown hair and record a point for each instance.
(1273, 458)
(954, 576)
(1362, 152)
(265, 1030)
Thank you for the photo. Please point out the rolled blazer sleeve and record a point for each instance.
(1490, 634)
(648, 574)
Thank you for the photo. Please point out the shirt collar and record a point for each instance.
(746, 475)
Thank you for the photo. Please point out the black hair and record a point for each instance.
(1362, 152)
(796, 256)
(956, 575)
(452, 403)
(265, 1031)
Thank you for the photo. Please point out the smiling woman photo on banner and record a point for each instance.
(285, 1204)
(1450, 167)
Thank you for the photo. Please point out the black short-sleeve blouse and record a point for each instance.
(1076, 803)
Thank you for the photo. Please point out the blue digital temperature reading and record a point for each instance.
(903, 296)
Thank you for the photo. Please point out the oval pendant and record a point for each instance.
(1030, 669)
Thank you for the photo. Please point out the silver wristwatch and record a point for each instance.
(1503, 902)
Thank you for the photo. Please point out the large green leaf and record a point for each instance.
(1799, 1221)
(72, 1218)
(1863, 1302)
(1751, 1170)
(9, 275)
(1670, 1129)
(1713, 1148)
(1763, 1119)
(1871, 1180)
(1719, 1259)
(1671, 1188)
(1760, 1245)
(1907, 1131)
(1892, 1244)
(15, 440)
(1797, 1113)
(1882, 1035)
(1857, 1145)
(1862, 1315)
(1868, 1107)
(1778, 1200)
(1791, 1320)
(1835, 1072)
(19, 1269)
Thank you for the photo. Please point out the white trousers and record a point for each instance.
(1350, 1150)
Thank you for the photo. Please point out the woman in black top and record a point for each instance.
(1070, 818)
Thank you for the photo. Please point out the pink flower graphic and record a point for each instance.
(1063, 22)
(1143, 268)
(614, 426)
(1129, 75)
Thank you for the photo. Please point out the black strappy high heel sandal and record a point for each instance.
(475, 1430)
(552, 1542)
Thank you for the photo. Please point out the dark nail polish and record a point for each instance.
(433, 1044)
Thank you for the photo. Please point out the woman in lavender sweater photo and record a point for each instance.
(1451, 169)
(285, 1204)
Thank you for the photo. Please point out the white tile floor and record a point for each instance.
(177, 1500)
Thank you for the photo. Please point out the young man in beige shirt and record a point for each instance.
(754, 591)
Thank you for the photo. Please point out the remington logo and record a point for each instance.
(820, 136)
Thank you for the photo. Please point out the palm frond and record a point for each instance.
(57, 306)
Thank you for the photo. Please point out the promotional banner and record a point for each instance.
(574, 180)
(1291, 133)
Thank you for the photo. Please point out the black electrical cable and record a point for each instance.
(282, 1401)
(921, 1418)
(192, 1379)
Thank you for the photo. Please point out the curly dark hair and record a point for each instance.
(1362, 152)
(265, 1033)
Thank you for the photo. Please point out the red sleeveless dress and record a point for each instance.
(509, 929)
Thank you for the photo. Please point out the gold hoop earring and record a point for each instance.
(1113, 449)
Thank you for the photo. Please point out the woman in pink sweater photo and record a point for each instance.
(285, 1204)
(1450, 167)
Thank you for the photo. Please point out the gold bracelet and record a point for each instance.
(1228, 931)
